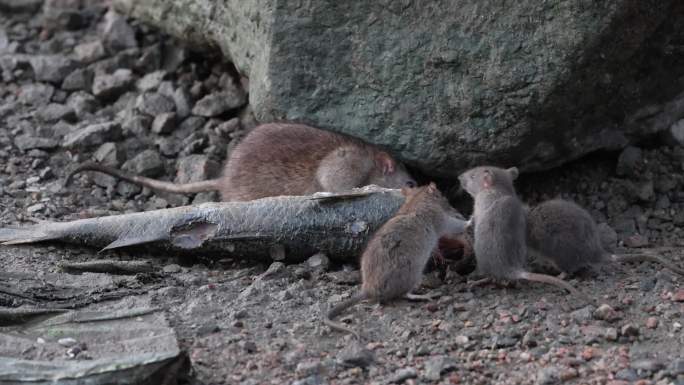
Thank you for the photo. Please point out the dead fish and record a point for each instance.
(335, 224)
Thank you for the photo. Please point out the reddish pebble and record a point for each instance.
(589, 353)
(643, 382)
(617, 382)
(678, 296)
(568, 374)
(454, 379)
(652, 322)
(432, 307)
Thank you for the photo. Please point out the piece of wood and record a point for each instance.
(338, 225)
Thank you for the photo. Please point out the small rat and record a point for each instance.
(287, 159)
(392, 263)
(499, 220)
(565, 235)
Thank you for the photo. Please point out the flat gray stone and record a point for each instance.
(93, 135)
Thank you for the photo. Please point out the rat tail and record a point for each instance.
(544, 278)
(339, 308)
(646, 257)
(186, 188)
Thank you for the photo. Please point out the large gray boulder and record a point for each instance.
(447, 84)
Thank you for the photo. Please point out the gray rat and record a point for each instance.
(565, 235)
(499, 225)
(392, 263)
(287, 159)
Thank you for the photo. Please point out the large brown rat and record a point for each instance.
(392, 263)
(565, 235)
(499, 226)
(287, 159)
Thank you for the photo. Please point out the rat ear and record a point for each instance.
(432, 187)
(385, 162)
(513, 171)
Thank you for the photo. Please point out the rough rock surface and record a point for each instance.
(532, 84)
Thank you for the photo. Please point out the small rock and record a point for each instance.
(54, 112)
(154, 104)
(636, 240)
(627, 374)
(80, 79)
(677, 131)
(678, 295)
(183, 101)
(172, 268)
(629, 161)
(402, 375)
(151, 81)
(35, 208)
(644, 191)
(435, 367)
(248, 346)
(610, 334)
(147, 163)
(164, 123)
(651, 322)
(117, 34)
(67, 342)
(647, 364)
(581, 315)
(195, 168)
(137, 125)
(677, 367)
(309, 368)
(355, 356)
(25, 143)
(461, 340)
(208, 328)
(548, 375)
(109, 154)
(318, 261)
(606, 313)
(112, 86)
(228, 127)
(217, 103)
(241, 314)
(647, 283)
(89, 52)
(629, 330)
(51, 68)
(36, 94)
(83, 103)
(93, 135)
(275, 270)
(311, 380)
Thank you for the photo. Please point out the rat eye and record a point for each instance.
(411, 184)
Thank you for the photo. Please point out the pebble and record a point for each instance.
(217, 103)
(629, 161)
(309, 368)
(109, 154)
(36, 94)
(606, 313)
(35, 208)
(112, 86)
(402, 375)
(183, 101)
(151, 81)
(51, 68)
(89, 52)
(26, 142)
(154, 104)
(647, 364)
(164, 123)
(117, 34)
(93, 135)
(356, 356)
(172, 268)
(318, 261)
(611, 334)
(147, 163)
(627, 374)
(83, 103)
(137, 125)
(54, 112)
(311, 380)
(81, 79)
(651, 322)
(677, 367)
(67, 342)
(435, 367)
(548, 375)
(195, 168)
(629, 330)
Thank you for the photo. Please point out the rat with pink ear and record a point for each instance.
(500, 228)
(287, 159)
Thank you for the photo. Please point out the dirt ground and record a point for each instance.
(79, 84)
